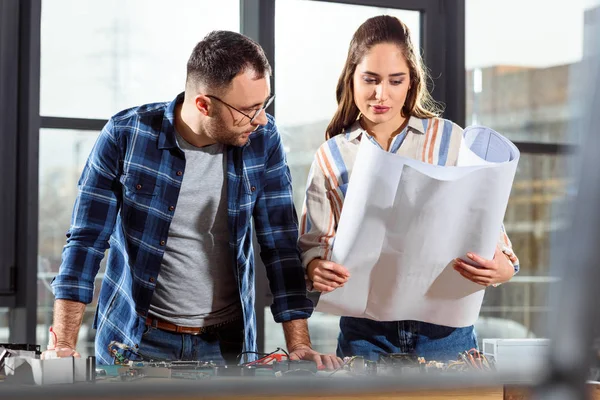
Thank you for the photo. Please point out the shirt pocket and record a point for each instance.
(252, 184)
(139, 196)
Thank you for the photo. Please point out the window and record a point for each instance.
(100, 57)
(62, 156)
(523, 82)
(4, 326)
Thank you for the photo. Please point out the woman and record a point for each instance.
(382, 97)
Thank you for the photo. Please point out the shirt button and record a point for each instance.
(162, 242)
(171, 208)
(253, 188)
(138, 186)
(179, 173)
(151, 279)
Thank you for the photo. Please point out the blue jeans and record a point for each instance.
(368, 338)
(221, 346)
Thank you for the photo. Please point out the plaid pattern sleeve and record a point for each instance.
(277, 232)
(92, 221)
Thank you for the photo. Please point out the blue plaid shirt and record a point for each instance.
(127, 194)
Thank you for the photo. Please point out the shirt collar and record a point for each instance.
(415, 124)
(167, 139)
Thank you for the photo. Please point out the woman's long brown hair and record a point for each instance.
(376, 30)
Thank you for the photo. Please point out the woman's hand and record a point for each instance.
(326, 275)
(488, 272)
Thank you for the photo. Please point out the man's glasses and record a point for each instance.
(256, 113)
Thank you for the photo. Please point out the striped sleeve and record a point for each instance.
(318, 221)
(506, 246)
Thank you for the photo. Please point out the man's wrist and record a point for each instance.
(64, 345)
(296, 334)
(299, 346)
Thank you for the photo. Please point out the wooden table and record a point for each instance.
(459, 394)
(280, 391)
(523, 393)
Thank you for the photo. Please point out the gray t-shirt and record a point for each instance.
(196, 285)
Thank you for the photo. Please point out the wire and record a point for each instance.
(472, 361)
(455, 365)
(252, 352)
(299, 372)
(265, 356)
(148, 358)
(347, 362)
(284, 352)
(133, 350)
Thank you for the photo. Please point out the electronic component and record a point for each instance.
(358, 365)
(35, 349)
(398, 363)
(235, 370)
(90, 369)
(131, 374)
(285, 366)
(510, 355)
(399, 359)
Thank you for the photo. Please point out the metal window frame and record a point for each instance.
(19, 111)
(9, 46)
(82, 124)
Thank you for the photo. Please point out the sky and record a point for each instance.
(101, 57)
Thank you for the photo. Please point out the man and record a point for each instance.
(172, 187)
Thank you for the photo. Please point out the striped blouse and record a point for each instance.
(434, 141)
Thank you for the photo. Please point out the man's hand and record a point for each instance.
(327, 361)
(488, 272)
(326, 275)
(59, 353)
(298, 344)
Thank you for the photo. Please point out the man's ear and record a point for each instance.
(203, 104)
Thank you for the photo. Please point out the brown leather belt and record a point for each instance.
(190, 330)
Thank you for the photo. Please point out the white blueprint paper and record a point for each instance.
(404, 221)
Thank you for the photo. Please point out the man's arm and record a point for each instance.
(68, 315)
(296, 334)
(92, 224)
(276, 225)
(298, 343)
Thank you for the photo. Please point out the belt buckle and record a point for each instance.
(194, 331)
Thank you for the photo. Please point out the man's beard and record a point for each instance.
(221, 133)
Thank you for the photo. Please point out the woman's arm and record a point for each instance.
(317, 230)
